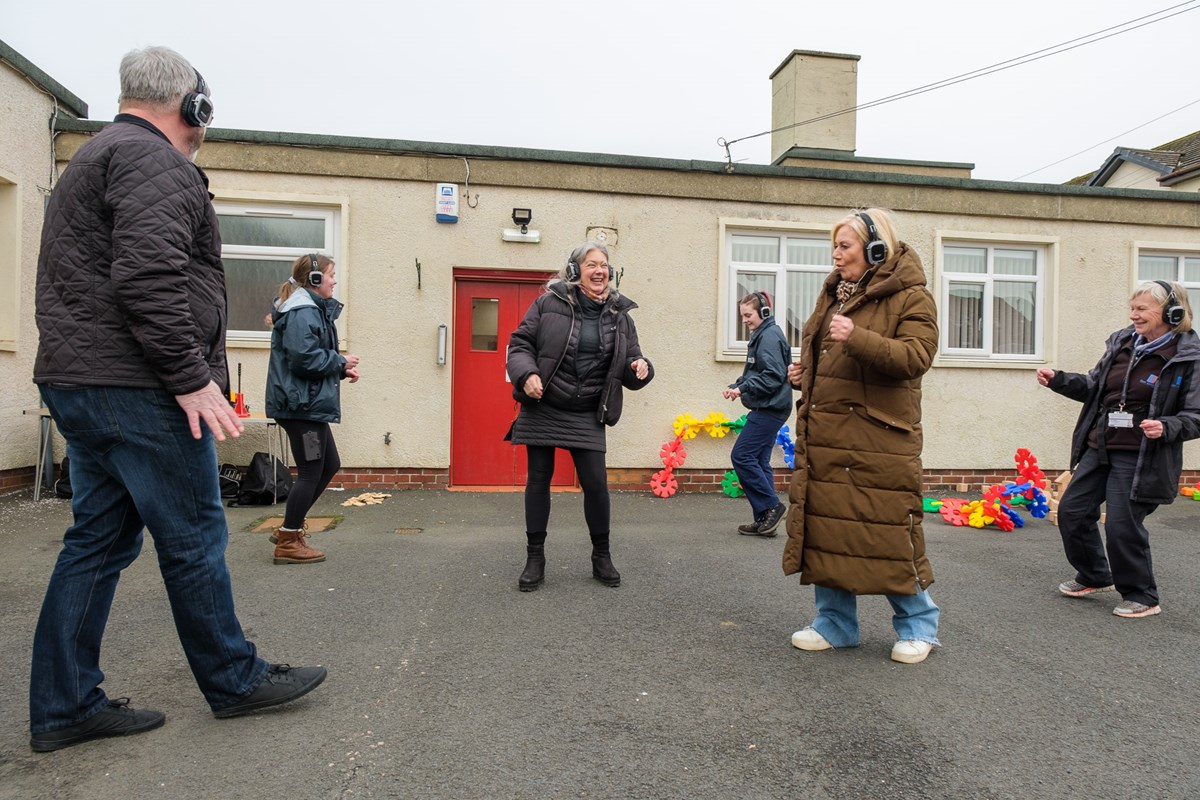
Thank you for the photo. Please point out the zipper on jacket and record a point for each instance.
(913, 551)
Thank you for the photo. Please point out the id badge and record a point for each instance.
(1120, 419)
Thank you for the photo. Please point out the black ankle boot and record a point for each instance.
(602, 566)
(534, 573)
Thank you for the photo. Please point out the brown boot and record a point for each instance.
(293, 549)
(274, 537)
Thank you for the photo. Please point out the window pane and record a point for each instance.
(1013, 314)
(964, 317)
(1191, 270)
(1015, 262)
(1157, 268)
(809, 252)
(966, 259)
(1194, 300)
(756, 249)
(746, 283)
(485, 322)
(252, 284)
(272, 231)
(802, 291)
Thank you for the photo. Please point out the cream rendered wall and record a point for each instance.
(670, 248)
(1133, 176)
(24, 174)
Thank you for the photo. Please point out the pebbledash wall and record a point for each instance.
(667, 223)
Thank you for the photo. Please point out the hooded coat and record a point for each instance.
(855, 517)
(305, 372)
(545, 339)
(763, 382)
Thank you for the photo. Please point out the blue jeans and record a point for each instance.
(1128, 565)
(134, 464)
(751, 459)
(915, 617)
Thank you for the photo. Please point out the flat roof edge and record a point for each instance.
(567, 157)
(30, 70)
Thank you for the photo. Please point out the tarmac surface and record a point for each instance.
(446, 682)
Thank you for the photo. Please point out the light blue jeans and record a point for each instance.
(915, 617)
(135, 466)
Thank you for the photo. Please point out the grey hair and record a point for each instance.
(1159, 294)
(578, 254)
(157, 76)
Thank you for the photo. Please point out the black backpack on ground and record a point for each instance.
(231, 481)
(265, 483)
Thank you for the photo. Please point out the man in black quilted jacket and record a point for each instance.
(130, 309)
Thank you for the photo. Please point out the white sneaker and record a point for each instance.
(809, 639)
(910, 651)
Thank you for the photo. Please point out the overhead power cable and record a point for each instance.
(1063, 47)
(1106, 141)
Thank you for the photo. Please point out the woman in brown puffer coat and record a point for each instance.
(854, 526)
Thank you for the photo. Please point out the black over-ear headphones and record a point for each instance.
(1172, 311)
(875, 251)
(574, 273)
(764, 305)
(197, 109)
(315, 276)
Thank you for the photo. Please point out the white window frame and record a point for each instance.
(729, 347)
(1174, 250)
(10, 262)
(1046, 248)
(331, 210)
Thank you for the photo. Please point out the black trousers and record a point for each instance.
(1128, 565)
(593, 479)
(313, 474)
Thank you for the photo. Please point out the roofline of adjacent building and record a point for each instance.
(1121, 154)
(573, 158)
(43, 81)
(825, 154)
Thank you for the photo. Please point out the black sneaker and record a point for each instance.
(116, 720)
(282, 684)
(771, 520)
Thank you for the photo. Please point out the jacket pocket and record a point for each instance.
(888, 420)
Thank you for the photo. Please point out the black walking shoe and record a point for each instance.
(282, 684)
(751, 528)
(771, 520)
(116, 720)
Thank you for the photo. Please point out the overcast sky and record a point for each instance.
(651, 78)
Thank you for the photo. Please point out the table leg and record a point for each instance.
(45, 457)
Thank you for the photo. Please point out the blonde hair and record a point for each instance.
(1162, 296)
(301, 268)
(884, 228)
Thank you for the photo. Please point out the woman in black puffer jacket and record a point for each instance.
(568, 361)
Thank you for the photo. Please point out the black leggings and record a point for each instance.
(593, 479)
(312, 475)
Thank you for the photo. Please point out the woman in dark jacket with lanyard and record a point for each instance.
(762, 388)
(568, 361)
(1141, 402)
(303, 392)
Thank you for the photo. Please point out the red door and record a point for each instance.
(486, 311)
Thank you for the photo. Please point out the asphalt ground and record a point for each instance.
(446, 682)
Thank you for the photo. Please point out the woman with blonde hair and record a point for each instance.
(854, 527)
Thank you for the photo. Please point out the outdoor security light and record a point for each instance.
(522, 217)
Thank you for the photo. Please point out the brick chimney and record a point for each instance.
(812, 84)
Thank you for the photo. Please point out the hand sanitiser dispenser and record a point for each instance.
(447, 202)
